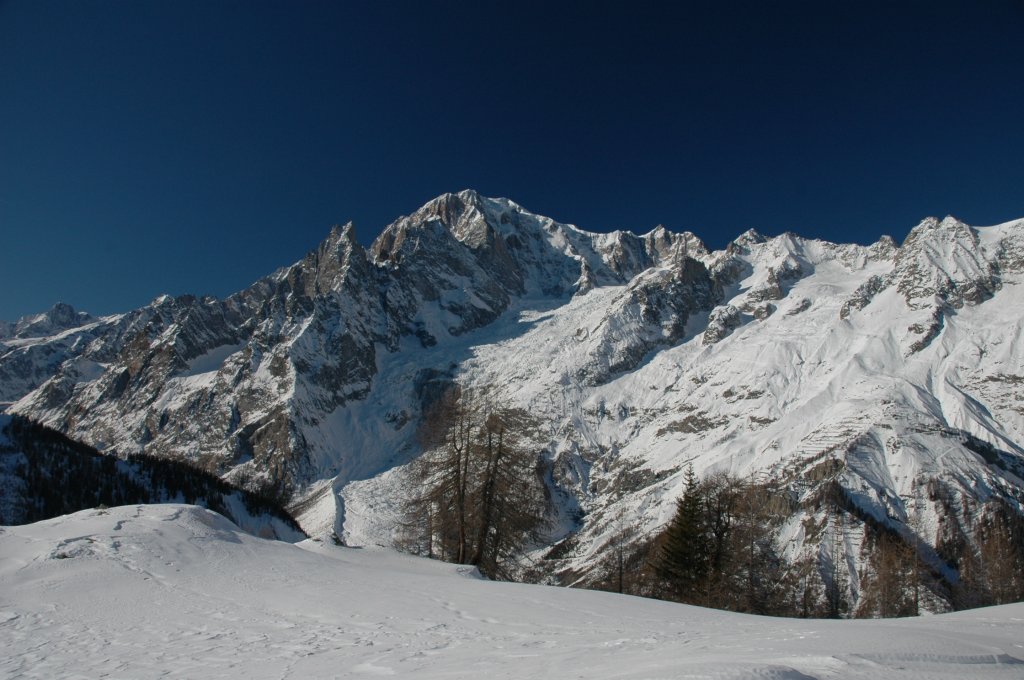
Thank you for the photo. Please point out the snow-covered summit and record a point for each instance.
(60, 317)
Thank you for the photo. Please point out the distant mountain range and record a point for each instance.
(893, 372)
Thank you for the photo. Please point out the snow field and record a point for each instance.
(178, 591)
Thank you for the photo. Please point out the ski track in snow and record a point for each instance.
(179, 592)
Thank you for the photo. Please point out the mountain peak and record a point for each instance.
(64, 315)
(342, 232)
(749, 237)
(948, 229)
(468, 217)
(449, 207)
(60, 317)
(469, 195)
(885, 247)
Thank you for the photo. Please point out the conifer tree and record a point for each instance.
(683, 560)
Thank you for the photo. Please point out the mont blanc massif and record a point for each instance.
(881, 386)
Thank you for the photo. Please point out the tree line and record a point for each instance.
(721, 550)
(984, 545)
(49, 474)
(478, 496)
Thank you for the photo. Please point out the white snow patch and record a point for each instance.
(210, 361)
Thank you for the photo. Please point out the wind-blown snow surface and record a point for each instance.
(178, 591)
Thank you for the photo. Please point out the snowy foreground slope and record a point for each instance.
(178, 591)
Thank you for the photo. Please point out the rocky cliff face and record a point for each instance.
(639, 354)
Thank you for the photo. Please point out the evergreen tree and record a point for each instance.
(683, 560)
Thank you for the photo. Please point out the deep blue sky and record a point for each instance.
(180, 146)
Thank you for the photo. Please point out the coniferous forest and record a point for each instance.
(47, 474)
(721, 550)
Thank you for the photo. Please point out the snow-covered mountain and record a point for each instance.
(60, 317)
(892, 372)
(177, 591)
(28, 368)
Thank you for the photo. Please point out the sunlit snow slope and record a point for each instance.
(179, 592)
